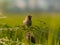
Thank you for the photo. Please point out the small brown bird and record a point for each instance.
(27, 22)
(30, 38)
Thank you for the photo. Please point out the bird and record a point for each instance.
(27, 22)
(30, 38)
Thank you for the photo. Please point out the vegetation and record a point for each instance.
(46, 29)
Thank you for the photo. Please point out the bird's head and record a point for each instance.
(29, 17)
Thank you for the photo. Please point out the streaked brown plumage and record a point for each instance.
(30, 37)
(28, 22)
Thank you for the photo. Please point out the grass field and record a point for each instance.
(45, 27)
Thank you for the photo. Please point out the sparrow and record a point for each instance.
(30, 38)
(27, 22)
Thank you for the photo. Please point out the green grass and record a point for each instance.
(45, 27)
